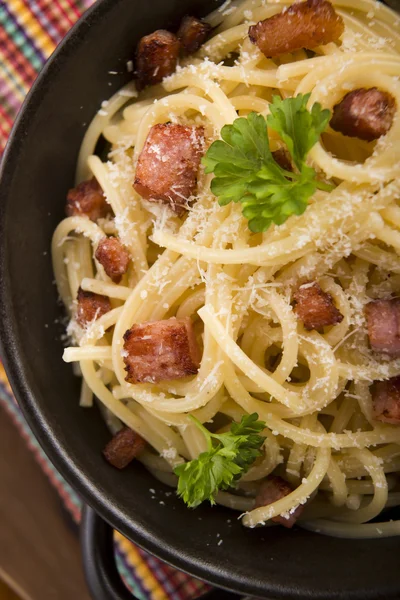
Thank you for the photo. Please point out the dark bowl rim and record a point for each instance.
(10, 354)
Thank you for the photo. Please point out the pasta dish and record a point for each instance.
(230, 263)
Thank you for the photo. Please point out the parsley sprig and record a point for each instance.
(228, 457)
(246, 172)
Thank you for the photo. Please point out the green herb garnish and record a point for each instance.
(228, 457)
(246, 172)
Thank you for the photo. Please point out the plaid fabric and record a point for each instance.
(29, 32)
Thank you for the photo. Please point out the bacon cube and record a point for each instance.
(383, 322)
(364, 113)
(315, 307)
(123, 448)
(192, 34)
(87, 199)
(91, 306)
(273, 489)
(386, 400)
(304, 25)
(160, 351)
(156, 57)
(282, 157)
(168, 164)
(113, 256)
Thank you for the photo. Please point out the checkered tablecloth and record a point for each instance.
(29, 32)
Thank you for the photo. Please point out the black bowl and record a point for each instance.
(37, 170)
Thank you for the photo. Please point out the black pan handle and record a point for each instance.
(99, 565)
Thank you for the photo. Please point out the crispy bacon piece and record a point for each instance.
(303, 25)
(168, 164)
(192, 34)
(123, 448)
(87, 199)
(91, 307)
(161, 351)
(272, 489)
(364, 113)
(315, 307)
(386, 400)
(383, 322)
(113, 256)
(282, 157)
(156, 57)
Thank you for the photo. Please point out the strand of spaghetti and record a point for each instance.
(84, 257)
(378, 256)
(318, 216)
(351, 530)
(96, 330)
(221, 44)
(383, 434)
(137, 110)
(105, 288)
(124, 211)
(60, 236)
(363, 487)
(370, 6)
(251, 103)
(337, 483)
(97, 353)
(194, 440)
(190, 77)
(339, 332)
(86, 395)
(392, 214)
(191, 304)
(239, 358)
(369, 372)
(271, 459)
(314, 66)
(364, 399)
(203, 414)
(96, 126)
(374, 469)
(181, 103)
(389, 236)
(204, 74)
(343, 415)
(235, 502)
(388, 454)
(256, 256)
(71, 262)
(124, 414)
(299, 496)
(370, 36)
(290, 340)
(323, 373)
(174, 293)
(298, 452)
(172, 439)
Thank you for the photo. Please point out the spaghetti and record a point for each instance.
(310, 387)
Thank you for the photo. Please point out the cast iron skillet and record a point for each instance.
(37, 170)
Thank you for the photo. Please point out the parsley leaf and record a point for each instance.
(228, 457)
(299, 128)
(245, 170)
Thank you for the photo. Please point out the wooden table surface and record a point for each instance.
(39, 547)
